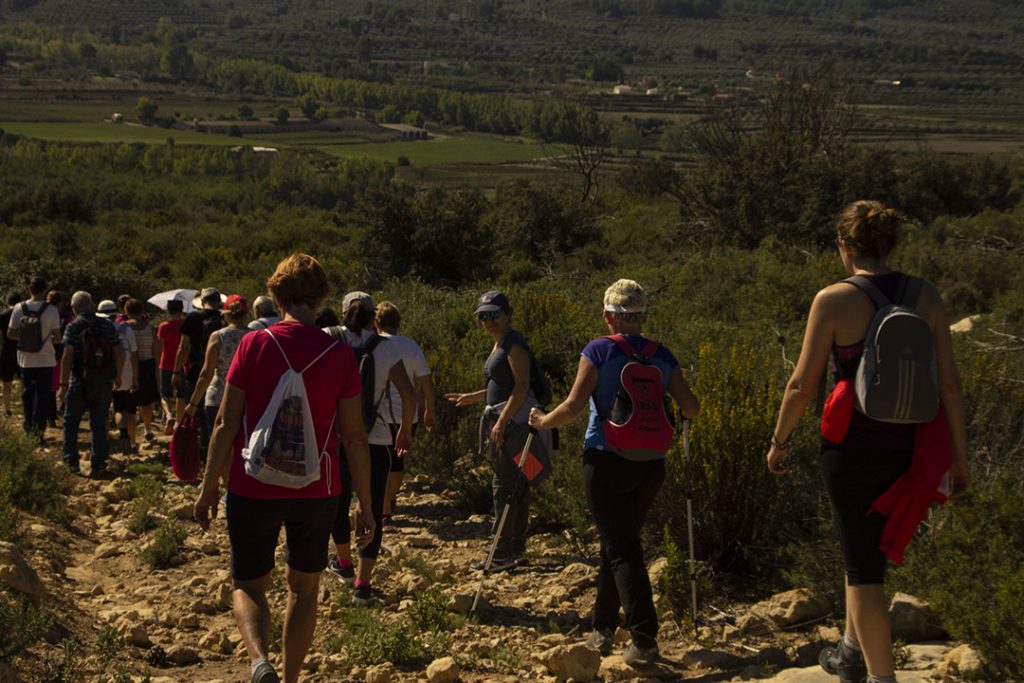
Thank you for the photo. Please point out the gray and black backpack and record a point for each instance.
(897, 379)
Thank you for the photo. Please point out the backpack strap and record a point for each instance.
(879, 299)
(336, 332)
(650, 347)
(909, 291)
(288, 363)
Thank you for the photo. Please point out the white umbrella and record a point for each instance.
(184, 295)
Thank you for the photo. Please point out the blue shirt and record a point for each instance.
(609, 360)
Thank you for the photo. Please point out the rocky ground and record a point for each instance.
(176, 623)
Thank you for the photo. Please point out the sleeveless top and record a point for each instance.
(229, 340)
(498, 371)
(144, 340)
(865, 432)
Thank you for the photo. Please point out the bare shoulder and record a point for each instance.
(837, 294)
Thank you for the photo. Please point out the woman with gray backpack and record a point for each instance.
(893, 430)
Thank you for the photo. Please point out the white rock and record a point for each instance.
(382, 673)
(420, 541)
(16, 574)
(182, 655)
(960, 661)
(572, 661)
(444, 670)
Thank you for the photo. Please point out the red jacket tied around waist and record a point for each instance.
(905, 504)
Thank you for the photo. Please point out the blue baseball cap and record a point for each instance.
(491, 301)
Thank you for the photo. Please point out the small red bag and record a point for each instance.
(185, 460)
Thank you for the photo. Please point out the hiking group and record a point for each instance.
(300, 411)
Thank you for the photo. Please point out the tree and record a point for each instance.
(87, 51)
(580, 143)
(177, 61)
(281, 115)
(309, 105)
(146, 109)
(245, 112)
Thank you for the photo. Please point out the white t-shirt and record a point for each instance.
(415, 366)
(50, 322)
(385, 356)
(128, 347)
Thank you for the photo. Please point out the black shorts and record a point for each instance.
(855, 478)
(8, 366)
(124, 402)
(167, 389)
(254, 526)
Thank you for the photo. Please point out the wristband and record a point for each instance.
(780, 445)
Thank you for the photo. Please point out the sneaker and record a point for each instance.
(149, 436)
(264, 673)
(602, 640)
(346, 572)
(98, 473)
(521, 560)
(640, 655)
(169, 427)
(363, 595)
(834, 662)
(498, 564)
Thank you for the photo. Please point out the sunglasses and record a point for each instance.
(484, 316)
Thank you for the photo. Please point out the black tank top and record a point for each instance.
(865, 432)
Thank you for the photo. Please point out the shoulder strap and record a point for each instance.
(650, 348)
(369, 346)
(335, 331)
(24, 310)
(625, 346)
(865, 285)
(909, 291)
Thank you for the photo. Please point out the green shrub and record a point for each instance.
(968, 562)
(21, 624)
(146, 492)
(675, 581)
(366, 639)
(8, 515)
(429, 612)
(419, 565)
(165, 544)
(33, 483)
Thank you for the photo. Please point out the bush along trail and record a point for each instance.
(110, 580)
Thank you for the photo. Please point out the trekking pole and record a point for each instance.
(689, 517)
(501, 520)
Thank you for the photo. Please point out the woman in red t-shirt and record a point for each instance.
(256, 510)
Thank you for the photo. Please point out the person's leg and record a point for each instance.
(27, 397)
(869, 611)
(394, 484)
(607, 603)
(146, 412)
(44, 394)
(74, 408)
(307, 528)
(510, 488)
(99, 398)
(380, 466)
(253, 528)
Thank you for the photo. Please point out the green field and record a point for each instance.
(476, 149)
(109, 132)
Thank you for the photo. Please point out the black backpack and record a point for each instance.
(539, 384)
(367, 375)
(94, 355)
(30, 331)
(212, 321)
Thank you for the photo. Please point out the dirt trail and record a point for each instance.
(178, 622)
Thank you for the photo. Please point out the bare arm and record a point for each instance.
(206, 374)
(181, 358)
(158, 347)
(680, 391)
(222, 447)
(569, 409)
(950, 393)
(356, 447)
(467, 398)
(400, 378)
(803, 385)
(67, 359)
(429, 395)
(118, 365)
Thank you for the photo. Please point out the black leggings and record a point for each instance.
(854, 479)
(380, 468)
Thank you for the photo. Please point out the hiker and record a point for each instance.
(264, 313)
(864, 459)
(256, 510)
(149, 349)
(380, 367)
(508, 398)
(35, 326)
(327, 318)
(388, 318)
(169, 334)
(125, 392)
(8, 353)
(219, 353)
(90, 370)
(195, 333)
(357, 318)
(621, 482)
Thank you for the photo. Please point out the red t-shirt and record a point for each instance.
(257, 368)
(170, 333)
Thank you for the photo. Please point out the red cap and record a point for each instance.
(236, 298)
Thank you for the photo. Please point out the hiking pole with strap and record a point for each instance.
(689, 516)
(501, 520)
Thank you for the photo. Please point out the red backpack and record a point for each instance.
(638, 425)
(185, 459)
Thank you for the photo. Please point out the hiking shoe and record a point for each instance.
(363, 595)
(264, 673)
(833, 661)
(498, 564)
(640, 655)
(345, 572)
(602, 640)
